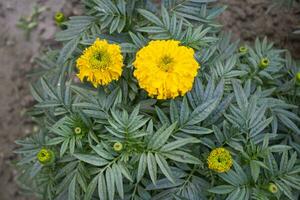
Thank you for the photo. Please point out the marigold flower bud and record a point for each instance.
(59, 18)
(118, 146)
(298, 78)
(243, 49)
(272, 188)
(77, 130)
(45, 156)
(264, 63)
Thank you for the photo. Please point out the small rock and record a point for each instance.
(10, 42)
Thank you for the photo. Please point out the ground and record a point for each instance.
(248, 19)
(245, 19)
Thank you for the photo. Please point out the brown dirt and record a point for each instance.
(16, 58)
(246, 19)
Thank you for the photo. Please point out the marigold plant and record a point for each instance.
(145, 122)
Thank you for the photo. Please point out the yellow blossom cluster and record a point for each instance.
(163, 68)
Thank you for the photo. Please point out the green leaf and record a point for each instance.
(91, 188)
(222, 189)
(164, 167)
(184, 111)
(67, 51)
(35, 93)
(102, 187)
(289, 123)
(54, 141)
(160, 138)
(91, 159)
(110, 181)
(179, 143)
(151, 17)
(260, 127)
(152, 167)
(183, 157)
(102, 153)
(72, 189)
(118, 180)
(64, 147)
(48, 88)
(196, 130)
(202, 111)
(162, 116)
(174, 115)
(255, 170)
(125, 171)
(279, 148)
(142, 167)
(240, 95)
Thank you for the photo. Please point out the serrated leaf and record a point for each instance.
(67, 51)
(72, 189)
(164, 167)
(141, 167)
(91, 188)
(279, 148)
(222, 189)
(151, 17)
(152, 167)
(178, 143)
(91, 159)
(102, 189)
(183, 157)
(159, 139)
(255, 170)
(110, 181)
(202, 111)
(118, 180)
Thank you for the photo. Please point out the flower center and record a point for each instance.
(77, 130)
(166, 63)
(43, 155)
(100, 60)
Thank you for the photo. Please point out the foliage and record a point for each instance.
(234, 104)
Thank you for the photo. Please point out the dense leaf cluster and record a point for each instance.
(252, 112)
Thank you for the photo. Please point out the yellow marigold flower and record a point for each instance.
(165, 69)
(101, 63)
(219, 160)
(272, 188)
(45, 156)
(118, 146)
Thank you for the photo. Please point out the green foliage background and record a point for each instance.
(254, 113)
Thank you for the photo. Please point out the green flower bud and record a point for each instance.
(77, 130)
(243, 49)
(118, 146)
(264, 63)
(298, 78)
(272, 188)
(59, 18)
(46, 156)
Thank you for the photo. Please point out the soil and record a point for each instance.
(17, 59)
(245, 19)
(248, 19)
